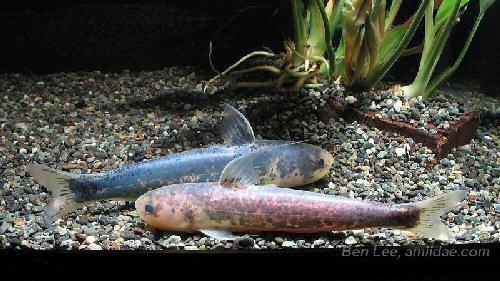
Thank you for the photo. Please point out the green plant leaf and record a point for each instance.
(372, 41)
(391, 15)
(445, 9)
(339, 70)
(484, 5)
(390, 41)
(316, 40)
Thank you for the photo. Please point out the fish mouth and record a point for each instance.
(139, 205)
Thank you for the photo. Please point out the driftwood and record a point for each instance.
(441, 143)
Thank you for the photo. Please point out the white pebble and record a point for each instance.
(288, 244)
(400, 151)
(89, 240)
(397, 105)
(351, 99)
(351, 240)
(319, 242)
(174, 239)
(94, 247)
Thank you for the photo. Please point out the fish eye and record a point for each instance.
(321, 163)
(149, 208)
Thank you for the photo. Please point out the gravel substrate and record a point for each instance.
(91, 122)
(440, 112)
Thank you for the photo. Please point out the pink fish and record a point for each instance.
(236, 204)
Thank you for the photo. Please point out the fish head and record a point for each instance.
(173, 207)
(306, 165)
(292, 164)
(155, 208)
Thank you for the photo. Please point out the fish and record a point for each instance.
(237, 203)
(71, 191)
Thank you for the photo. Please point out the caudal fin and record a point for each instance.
(429, 223)
(63, 198)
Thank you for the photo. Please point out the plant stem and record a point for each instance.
(381, 69)
(298, 25)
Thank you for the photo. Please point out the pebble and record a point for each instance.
(289, 244)
(400, 151)
(89, 240)
(94, 247)
(15, 242)
(397, 106)
(4, 227)
(351, 99)
(351, 240)
(319, 242)
(174, 239)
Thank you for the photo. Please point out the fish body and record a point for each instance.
(235, 204)
(193, 207)
(198, 165)
(70, 191)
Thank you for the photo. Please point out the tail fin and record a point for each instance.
(429, 223)
(63, 198)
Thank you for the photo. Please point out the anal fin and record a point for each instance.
(220, 234)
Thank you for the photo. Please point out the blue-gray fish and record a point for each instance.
(71, 191)
(235, 203)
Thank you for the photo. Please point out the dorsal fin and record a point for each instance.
(235, 128)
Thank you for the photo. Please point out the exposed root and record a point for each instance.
(267, 84)
(243, 59)
(257, 68)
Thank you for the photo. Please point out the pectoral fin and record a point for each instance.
(235, 128)
(220, 234)
(248, 169)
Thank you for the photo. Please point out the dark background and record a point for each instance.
(85, 35)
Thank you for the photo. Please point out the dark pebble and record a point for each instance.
(15, 242)
(81, 237)
(82, 220)
(219, 247)
(103, 220)
(368, 145)
(279, 240)
(245, 241)
(14, 207)
(138, 231)
(128, 235)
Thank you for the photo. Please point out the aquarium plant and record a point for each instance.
(437, 29)
(370, 44)
(356, 42)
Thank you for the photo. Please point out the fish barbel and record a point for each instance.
(71, 191)
(236, 204)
